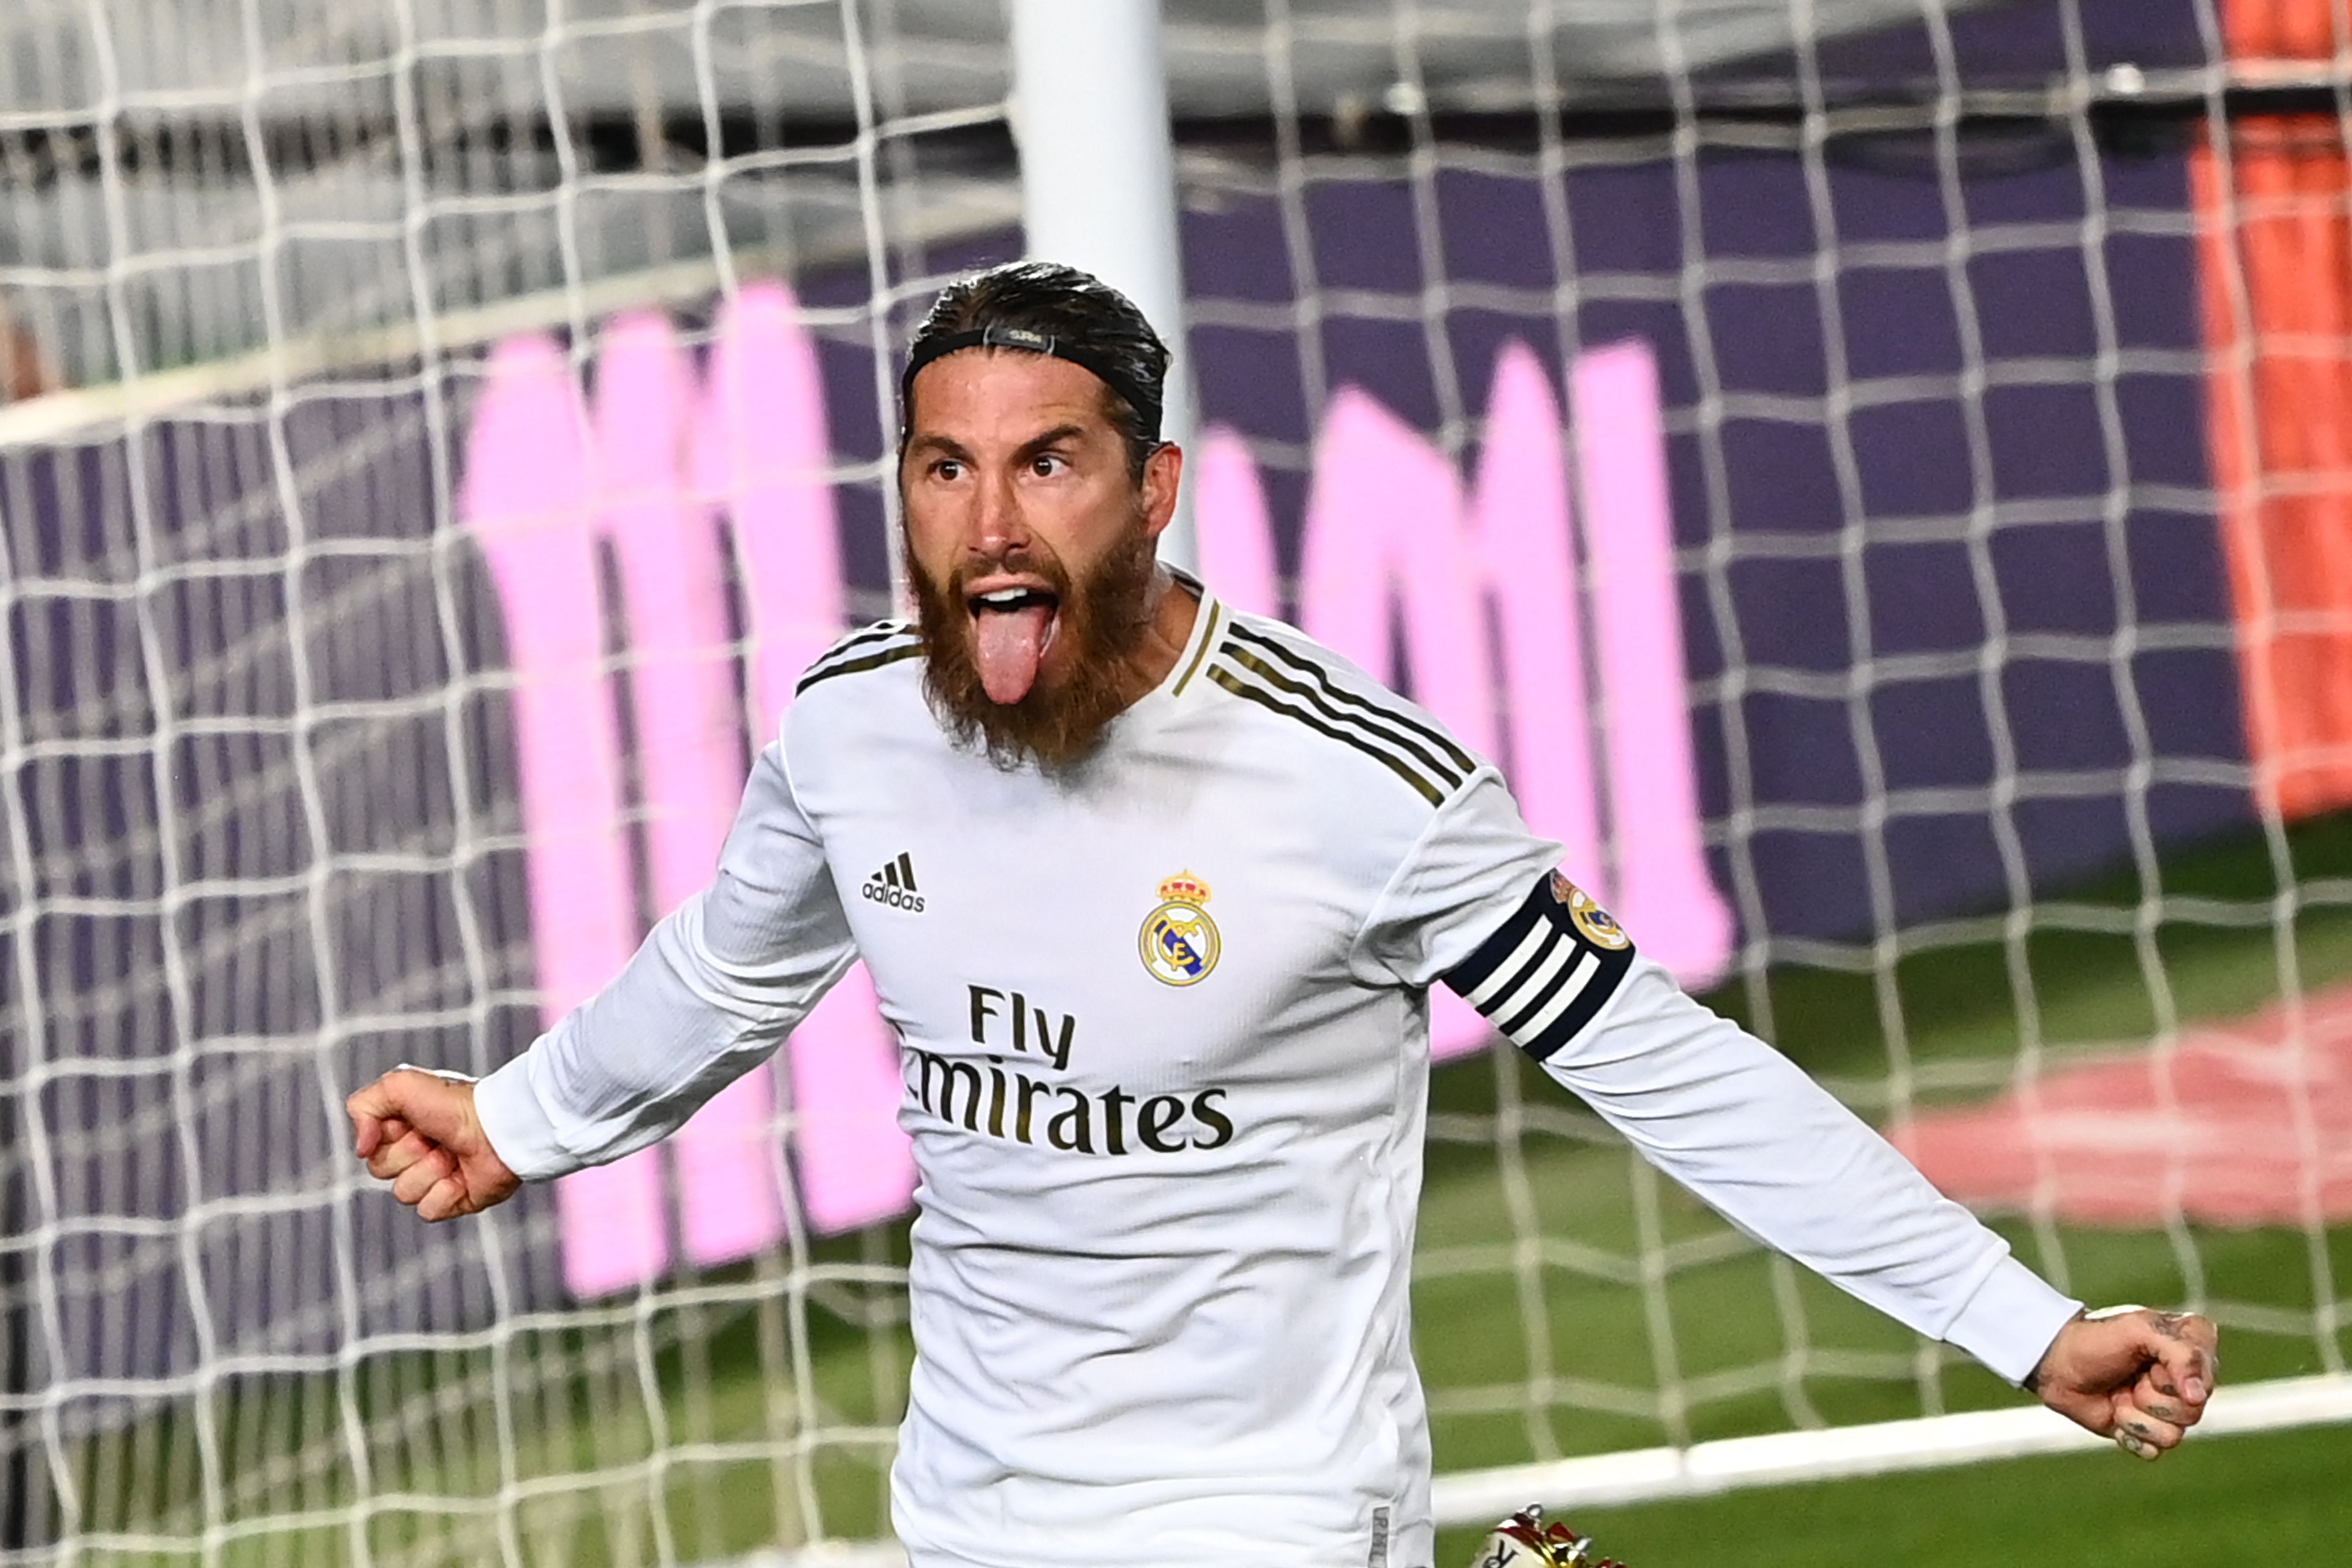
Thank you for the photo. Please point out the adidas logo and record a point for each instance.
(895, 885)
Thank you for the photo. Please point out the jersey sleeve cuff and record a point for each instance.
(517, 1126)
(2011, 1319)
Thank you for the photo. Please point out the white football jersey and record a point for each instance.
(1164, 1030)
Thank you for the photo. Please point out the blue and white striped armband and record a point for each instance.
(1551, 967)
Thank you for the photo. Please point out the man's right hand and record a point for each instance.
(417, 1130)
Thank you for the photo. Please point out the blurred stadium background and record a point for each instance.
(1878, 472)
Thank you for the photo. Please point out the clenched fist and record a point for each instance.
(417, 1129)
(2140, 1377)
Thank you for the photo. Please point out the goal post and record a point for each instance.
(1098, 174)
(1871, 471)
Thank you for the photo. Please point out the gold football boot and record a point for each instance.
(1525, 1541)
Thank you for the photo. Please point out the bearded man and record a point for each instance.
(1162, 890)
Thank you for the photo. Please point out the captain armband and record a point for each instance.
(1549, 970)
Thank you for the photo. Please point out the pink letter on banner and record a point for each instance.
(1519, 516)
(764, 451)
(689, 735)
(1663, 893)
(1384, 527)
(1387, 523)
(1236, 533)
(665, 456)
(529, 497)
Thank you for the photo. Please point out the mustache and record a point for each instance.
(1018, 562)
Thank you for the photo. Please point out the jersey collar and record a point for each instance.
(1208, 623)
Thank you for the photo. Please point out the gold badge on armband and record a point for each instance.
(1600, 928)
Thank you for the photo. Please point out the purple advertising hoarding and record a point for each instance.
(1811, 604)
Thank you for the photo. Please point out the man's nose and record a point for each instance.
(997, 526)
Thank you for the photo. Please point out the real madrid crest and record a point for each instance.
(1599, 927)
(1178, 940)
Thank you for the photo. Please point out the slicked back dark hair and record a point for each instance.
(1076, 310)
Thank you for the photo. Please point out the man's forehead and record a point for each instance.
(1003, 392)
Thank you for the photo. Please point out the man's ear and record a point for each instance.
(1163, 476)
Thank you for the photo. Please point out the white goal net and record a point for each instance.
(1871, 470)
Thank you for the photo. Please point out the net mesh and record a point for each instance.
(1939, 410)
(266, 837)
(1938, 312)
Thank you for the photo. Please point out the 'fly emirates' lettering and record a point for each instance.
(998, 1096)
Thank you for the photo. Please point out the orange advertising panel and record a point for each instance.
(2276, 247)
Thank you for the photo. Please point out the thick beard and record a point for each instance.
(1103, 622)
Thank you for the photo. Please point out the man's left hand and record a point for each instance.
(2140, 1377)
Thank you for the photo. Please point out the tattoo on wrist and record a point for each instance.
(2170, 1324)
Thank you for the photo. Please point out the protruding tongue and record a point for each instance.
(1010, 644)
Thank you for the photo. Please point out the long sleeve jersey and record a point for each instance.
(1163, 1024)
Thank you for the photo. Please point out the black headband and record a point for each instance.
(1147, 409)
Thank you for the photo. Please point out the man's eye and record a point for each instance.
(1045, 464)
(947, 468)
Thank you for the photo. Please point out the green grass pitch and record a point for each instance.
(658, 1435)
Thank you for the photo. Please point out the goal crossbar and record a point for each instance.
(1780, 1459)
(1876, 1448)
